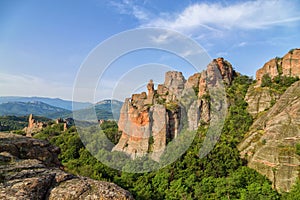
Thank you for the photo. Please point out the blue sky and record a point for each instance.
(43, 43)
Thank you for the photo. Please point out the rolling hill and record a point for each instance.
(106, 109)
(33, 107)
(66, 104)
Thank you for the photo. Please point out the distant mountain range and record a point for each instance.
(32, 107)
(106, 109)
(56, 102)
(57, 108)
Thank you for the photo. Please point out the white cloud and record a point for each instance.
(164, 38)
(242, 44)
(216, 17)
(128, 7)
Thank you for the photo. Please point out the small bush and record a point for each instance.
(298, 149)
(266, 81)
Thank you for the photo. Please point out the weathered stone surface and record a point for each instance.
(84, 188)
(218, 71)
(29, 169)
(134, 123)
(194, 115)
(29, 148)
(160, 114)
(193, 81)
(271, 68)
(289, 65)
(162, 90)
(269, 146)
(174, 81)
(260, 99)
(226, 70)
(33, 126)
(159, 131)
(151, 92)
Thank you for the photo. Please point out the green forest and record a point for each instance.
(222, 174)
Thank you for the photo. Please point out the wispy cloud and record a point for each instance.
(166, 37)
(242, 44)
(129, 7)
(217, 17)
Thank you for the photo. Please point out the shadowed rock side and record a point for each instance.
(148, 120)
(269, 146)
(288, 65)
(30, 169)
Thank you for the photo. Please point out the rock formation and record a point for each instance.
(225, 69)
(148, 121)
(67, 123)
(30, 169)
(260, 99)
(33, 126)
(288, 65)
(269, 147)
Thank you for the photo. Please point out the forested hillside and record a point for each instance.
(222, 174)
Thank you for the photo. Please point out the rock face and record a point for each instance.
(68, 122)
(30, 169)
(33, 126)
(269, 147)
(260, 99)
(148, 121)
(288, 65)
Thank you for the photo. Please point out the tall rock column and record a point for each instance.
(135, 126)
(150, 95)
(159, 131)
(31, 122)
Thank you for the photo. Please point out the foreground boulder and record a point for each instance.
(30, 169)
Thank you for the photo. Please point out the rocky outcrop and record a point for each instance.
(260, 99)
(134, 123)
(148, 121)
(67, 123)
(225, 69)
(174, 82)
(269, 146)
(288, 65)
(33, 126)
(30, 169)
(291, 63)
(159, 131)
(271, 68)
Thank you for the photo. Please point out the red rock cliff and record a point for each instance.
(288, 65)
(159, 113)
